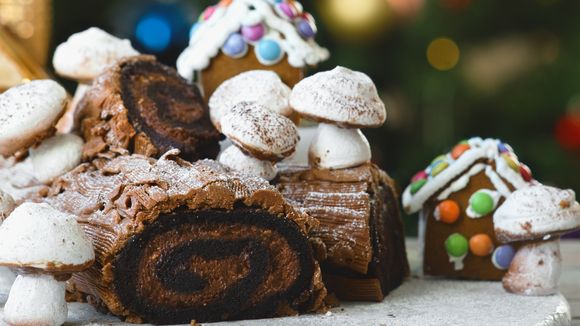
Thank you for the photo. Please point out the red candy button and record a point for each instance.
(526, 173)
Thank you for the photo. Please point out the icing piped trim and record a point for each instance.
(480, 149)
(206, 42)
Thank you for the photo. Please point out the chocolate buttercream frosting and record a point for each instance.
(360, 227)
(177, 242)
(141, 106)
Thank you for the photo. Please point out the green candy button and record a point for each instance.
(417, 185)
(456, 245)
(481, 203)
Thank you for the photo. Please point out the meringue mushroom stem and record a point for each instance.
(535, 269)
(36, 299)
(334, 147)
(66, 123)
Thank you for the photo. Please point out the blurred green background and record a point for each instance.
(447, 69)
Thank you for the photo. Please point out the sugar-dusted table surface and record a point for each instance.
(427, 302)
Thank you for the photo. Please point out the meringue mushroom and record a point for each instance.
(342, 101)
(6, 207)
(56, 156)
(28, 113)
(46, 246)
(261, 86)
(537, 215)
(82, 58)
(262, 137)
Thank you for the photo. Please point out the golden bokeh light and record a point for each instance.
(443, 54)
(355, 19)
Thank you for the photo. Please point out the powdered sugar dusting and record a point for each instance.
(348, 98)
(85, 55)
(27, 111)
(257, 129)
(533, 212)
(259, 86)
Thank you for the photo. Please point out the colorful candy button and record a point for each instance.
(504, 148)
(459, 150)
(305, 28)
(439, 158)
(526, 173)
(481, 245)
(194, 29)
(208, 12)
(419, 176)
(456, 245)
(502, 257)
(235, 46)
(417, 185)
(287, 10)
(438, 167)
(253, 33)
(481, 203)
(512, 161)
(269, 51)
(447, 211)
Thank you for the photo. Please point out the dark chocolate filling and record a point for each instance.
(173, 267)
(169, 111)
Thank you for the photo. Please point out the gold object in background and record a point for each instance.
(30, 21)
(16, 63)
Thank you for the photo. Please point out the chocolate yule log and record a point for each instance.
(360, 227)
(177, 242)
(141, 106)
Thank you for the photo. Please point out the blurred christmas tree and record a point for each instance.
(448, 69)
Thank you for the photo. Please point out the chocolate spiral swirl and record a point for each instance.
(141, 106)
(212, 265)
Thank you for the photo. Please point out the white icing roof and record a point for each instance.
(213, 33)
(479, 149)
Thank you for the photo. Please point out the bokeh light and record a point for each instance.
(154, 33)
(355, 19)
(443, 54)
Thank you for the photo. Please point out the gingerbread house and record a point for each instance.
(241, 35)
(456, 196)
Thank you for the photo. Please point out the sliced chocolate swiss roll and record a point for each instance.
(141, 106)
(177, 242)
(359, 226)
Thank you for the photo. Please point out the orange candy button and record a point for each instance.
(481, 245)
(459, 150)
(447, 211)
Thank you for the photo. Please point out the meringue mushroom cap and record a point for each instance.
(260, 86)
(28, 113)
(86, 54)
(56, 156)
(6, 205)
(234, 158)
(340, 96)
(38, 236)
(262, 133)
(338, 148)
(535, 212)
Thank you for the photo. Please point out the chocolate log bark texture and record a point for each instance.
(177, 242)
(141, 106)
(360, 226)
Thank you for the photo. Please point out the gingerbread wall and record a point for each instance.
(223, 67)
(436, 260)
